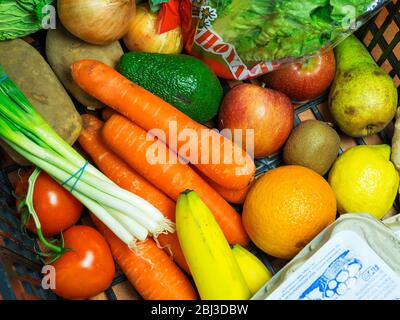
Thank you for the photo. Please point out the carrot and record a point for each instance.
(150, 271)
(233, 168)
(106, 113)
(129, 142)
(232, 196)
(119, 172)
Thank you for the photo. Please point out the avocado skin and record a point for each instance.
(363, 98)
(181, 80)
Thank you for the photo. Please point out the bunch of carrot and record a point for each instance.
(120, 147)
(151, 271)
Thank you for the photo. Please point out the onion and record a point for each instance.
(97, 21)
(143, 34)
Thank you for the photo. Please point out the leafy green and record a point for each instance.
(156, 4)
(19, 18)
(264, 30)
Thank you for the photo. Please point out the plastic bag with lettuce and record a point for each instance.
(19, 18)
(241, 39)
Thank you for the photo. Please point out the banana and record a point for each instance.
(254, 271)
(212, 264)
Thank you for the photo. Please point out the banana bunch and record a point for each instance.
(214, 269)
(254, 271)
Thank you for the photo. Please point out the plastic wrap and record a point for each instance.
(241, 39)
(23, 17)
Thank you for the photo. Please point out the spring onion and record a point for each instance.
(130, 217)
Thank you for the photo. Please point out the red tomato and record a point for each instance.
(56, 207)
(88, 268)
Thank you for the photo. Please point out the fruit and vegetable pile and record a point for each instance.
(170, 199)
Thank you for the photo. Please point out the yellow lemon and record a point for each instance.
(364, 180)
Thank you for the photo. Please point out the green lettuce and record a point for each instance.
(155, 5)
(19, 18)
(270, 30)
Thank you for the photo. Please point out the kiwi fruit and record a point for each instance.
(313, 144)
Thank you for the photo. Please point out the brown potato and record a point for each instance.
(31, 73)
(63, 49)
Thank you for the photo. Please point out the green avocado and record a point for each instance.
(183, 81)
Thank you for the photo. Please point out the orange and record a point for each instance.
(286, 208)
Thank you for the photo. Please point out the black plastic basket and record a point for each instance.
(20, 268)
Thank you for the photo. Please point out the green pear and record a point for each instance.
(363, 98)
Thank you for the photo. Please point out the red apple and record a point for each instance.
(304, 81)
(269, 112)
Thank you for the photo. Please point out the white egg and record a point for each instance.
(342, 276)
(341, 289)
(353, 269)
(332, 284)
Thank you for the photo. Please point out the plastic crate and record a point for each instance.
(20, 269)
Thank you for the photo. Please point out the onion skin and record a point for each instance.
(97, 21)
(143, 35)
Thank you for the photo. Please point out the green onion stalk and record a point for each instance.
(130, 217)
